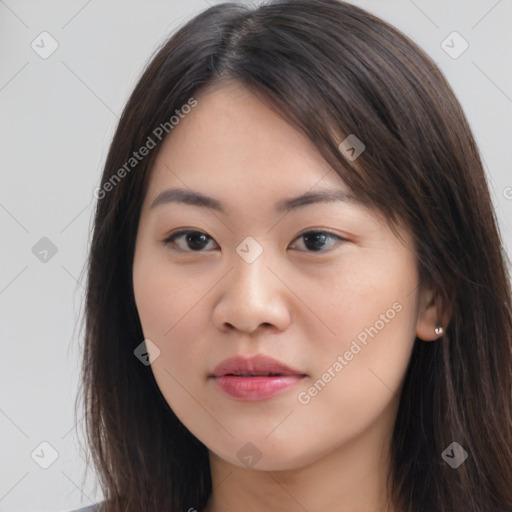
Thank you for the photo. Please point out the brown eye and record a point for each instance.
(317, 241)
(194, 241)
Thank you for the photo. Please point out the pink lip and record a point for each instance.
(256, 386)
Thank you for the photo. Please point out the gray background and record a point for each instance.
(57, 118)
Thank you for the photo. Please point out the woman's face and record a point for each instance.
(340, 307)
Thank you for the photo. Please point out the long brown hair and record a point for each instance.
(329, 68)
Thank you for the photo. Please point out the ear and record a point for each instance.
(432, 312)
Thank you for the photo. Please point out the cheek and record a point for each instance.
(367, 294)
(372, 314)
(171, 312)
(164, 298)
(358, 372)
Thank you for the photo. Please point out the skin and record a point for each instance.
(201, 302)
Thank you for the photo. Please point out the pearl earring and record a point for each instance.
(438, 329)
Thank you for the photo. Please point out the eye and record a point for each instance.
(196, 241)
(316, 240)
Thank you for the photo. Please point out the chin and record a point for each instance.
(260, 454)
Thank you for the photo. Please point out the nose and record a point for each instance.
(253, 297)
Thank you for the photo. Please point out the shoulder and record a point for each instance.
(90, 508)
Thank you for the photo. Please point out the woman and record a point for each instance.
(297, 294)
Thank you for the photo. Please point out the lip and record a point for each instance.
(257, 385)
(257, 364)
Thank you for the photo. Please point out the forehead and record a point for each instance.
(233, 141)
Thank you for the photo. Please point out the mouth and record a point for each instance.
(255, 378)
(258, 365)
(254, 388)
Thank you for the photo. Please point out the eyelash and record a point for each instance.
(171, 239)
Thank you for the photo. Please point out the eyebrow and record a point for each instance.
(190, 197)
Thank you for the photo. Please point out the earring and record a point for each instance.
(438, 329)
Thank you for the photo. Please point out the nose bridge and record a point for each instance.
(251, 294)
(250, 273)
